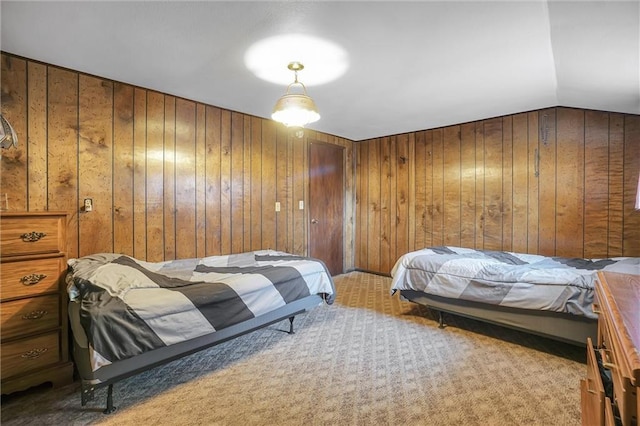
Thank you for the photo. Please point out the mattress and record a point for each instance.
(517, 280)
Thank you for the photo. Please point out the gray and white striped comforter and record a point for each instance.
(129, 306)
(517, 280)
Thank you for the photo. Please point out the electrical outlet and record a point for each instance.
(301, 205)
(88, 205)
(277, 206)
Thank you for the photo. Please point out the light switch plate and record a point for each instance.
(277, 206)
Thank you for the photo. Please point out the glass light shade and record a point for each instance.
(295, 110)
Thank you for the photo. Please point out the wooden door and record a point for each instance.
(326, 205)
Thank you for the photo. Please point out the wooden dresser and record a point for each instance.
(33, 308)
(610, 394)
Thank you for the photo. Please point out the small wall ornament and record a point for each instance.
(8, 137)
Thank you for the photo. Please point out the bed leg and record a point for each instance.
(291, 325)
(86, 394)
(110, 408)
(440, 320)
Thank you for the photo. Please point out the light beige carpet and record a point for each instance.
(369, 359)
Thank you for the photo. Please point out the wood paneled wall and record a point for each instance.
(173, 178)
(169, 178)
(558, 181)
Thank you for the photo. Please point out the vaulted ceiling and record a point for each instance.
(409, 65)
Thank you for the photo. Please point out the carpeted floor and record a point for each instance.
(369, 359)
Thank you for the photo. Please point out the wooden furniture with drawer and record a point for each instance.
(618, 347)
(34, 327)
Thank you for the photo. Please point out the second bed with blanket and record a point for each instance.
(550, 296)
(129, 315)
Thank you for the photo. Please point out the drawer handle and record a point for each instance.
(589, 389)
(34, 353)
(604, 353)
(32, 279)
(596, 309)
(32, 236)
(34, 315)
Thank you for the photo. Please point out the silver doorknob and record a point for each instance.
(314, 221)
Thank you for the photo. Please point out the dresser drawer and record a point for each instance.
(32, 235)
(29, 354)
(31, 277)
(624, 392)
(31, 315)
(592, 397)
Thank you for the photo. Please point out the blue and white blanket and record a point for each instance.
(525, 281)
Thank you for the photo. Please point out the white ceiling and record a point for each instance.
(411, 65)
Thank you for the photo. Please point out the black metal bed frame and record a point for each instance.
(87, 391)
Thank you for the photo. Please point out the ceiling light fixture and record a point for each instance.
(295, 109)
